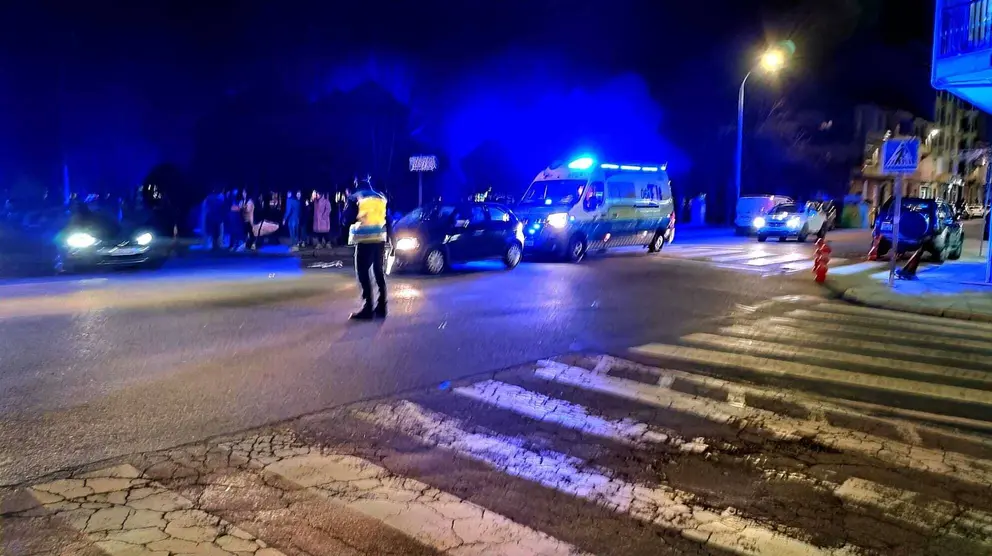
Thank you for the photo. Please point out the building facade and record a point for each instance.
(953, 158)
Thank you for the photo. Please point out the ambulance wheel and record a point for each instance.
(657, 244)
(576, 249)
(762, 238)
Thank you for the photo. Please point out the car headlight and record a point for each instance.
(143, 239)
(759, 222)
(80, 240)
(793, 222)
(558, 220)
(407, 244)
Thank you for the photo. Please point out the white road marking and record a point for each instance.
(771, 349)
(765, 261)
(659, 505)
(897, 352)
(775, 367)
(781, 426)
(886, 323)
(431, 516)
(857, 267)
(126, 515)
(931, 515)
(566, 414)
(883, 335)
(849, 309)
(688, 252)
(741, 256)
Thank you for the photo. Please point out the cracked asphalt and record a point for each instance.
(486, 420)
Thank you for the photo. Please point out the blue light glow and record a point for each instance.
(610, 166)
(650, 169)
(627, 167)
(582, 163)
(547, 201)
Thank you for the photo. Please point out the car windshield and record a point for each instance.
(554, 192)
(784, 207)
(428, 213)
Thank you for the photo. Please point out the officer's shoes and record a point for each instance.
(365, 314)
(380, 311)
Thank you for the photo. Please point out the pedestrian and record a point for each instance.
(369, 230)
(233, 224)
(291, 220)
(321, 218)
(247, 209)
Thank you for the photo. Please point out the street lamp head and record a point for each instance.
(773, 60)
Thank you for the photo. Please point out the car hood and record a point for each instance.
(537, 212)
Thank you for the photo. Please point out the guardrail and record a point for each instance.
(963, 27)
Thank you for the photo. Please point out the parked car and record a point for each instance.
(750, 207)
(974, 211)
(433, 237)
(927, 223)
(788, 220)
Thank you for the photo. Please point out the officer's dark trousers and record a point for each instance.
(368, 262)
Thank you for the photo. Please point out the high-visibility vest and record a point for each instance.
(371, 224)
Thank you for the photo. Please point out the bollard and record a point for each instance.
(908, 272)
(821, 261)
(873, 252)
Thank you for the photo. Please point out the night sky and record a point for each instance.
(152, 69)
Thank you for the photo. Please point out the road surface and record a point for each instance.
(632, 404)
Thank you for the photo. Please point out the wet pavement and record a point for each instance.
(736, 413)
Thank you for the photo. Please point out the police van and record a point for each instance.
(586, 205)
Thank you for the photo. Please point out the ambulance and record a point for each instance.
(592, 205)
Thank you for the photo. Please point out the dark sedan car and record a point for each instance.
(433, 237)
(927, 223)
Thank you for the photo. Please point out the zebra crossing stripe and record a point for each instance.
(431, 516)
(915, 326)
(857, 267)
(784, 334)
(691, 252)
(857, 310)
(884, 335)
(761, 365)
(740, 257)
(765, 261)
(912, 508)
(780, 426)
(771, 349)
(566, 414)
(658, 505)
(124, 514)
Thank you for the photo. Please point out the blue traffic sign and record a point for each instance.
(900, 155)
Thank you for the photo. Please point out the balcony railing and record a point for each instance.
(965, 26)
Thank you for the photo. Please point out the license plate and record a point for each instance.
(886, 226)
(125, 251)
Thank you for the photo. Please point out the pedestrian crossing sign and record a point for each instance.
(900, 155)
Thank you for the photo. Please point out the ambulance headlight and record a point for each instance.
(558, 220)
(759, 222)
(407, 244)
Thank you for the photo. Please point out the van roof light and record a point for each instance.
(581, 163)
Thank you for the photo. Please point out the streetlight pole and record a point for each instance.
(739, 156)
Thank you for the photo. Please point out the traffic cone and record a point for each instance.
(908, 272)
(873, 252)
(821, 261)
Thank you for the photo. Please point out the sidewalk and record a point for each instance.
(955, 289)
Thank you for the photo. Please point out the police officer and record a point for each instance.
(369, 230)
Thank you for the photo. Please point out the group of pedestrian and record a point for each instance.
(246, 220)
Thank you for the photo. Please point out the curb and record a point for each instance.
(844, 290)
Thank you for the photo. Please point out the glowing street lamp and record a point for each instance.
(771, 61)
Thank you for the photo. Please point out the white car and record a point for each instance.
(974, 211)
(787, 220)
